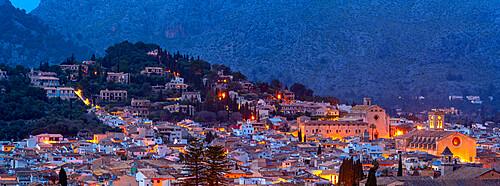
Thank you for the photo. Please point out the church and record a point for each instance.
(371, 114)
(435, 140)
(356, 123)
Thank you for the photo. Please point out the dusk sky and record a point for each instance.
(28, 5)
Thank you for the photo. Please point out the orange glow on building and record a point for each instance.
(279, 96)
(398, 133)
(253, 117)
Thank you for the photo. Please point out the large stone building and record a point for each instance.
(113, 95)
(435, 142)
(64, 93)
(118, 77)
(191, 96)
(371, 114)
(331, 129)
(153, 70)
(44, 81)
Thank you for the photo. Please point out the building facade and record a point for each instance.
(153, 70)
(332, 129)
(435, 142)
(44, 81)
(191, 96)
(64, 93)
(371, 114)
(113, 95)
(118, 77)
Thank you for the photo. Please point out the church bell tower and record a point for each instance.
(446, 161)
(436, 120)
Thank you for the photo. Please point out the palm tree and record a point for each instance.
(373, 126)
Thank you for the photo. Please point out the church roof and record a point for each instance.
(362, 107)
(425, 133)
(446, 151)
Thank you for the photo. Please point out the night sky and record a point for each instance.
(28, 5)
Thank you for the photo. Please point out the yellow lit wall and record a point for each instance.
(466, 151)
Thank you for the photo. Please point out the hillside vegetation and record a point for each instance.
(349, 49)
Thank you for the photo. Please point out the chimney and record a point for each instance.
(367, 101)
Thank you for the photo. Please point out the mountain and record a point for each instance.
(344, 48)
(24, 39)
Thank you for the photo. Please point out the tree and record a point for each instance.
(346, 172)
(400, 166)
(63, 178)
(160, 97)
(372, 180)
(373, 126)
(301, 91)
(80, 72)
(238, 76)
(276, 84)
(350, 172)
(92, 58)
(209, 138)
(216, 166)
(206, 116)
(192, 163)
(300, 136)
(319, 150)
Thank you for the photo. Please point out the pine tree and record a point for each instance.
(319, 150)
(63, 178)
(216, 166)
(92, 58)
(192, 160)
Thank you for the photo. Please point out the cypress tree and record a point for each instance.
(63, 178)
(400, 166)
(80, 72)
(319, 150)
(372, 180)
(300, 136)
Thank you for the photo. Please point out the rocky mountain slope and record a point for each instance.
(24, 39)
(342, 48)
